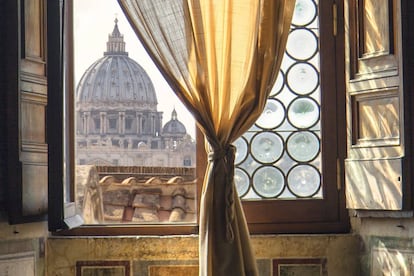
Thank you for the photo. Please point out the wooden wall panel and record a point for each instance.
(374, 184)
(375, 106)
(33, 122)
(377, 120)
(372, 38)
(375, 27)
(33, 102)
(33, 37)
(27, 101)
(34, 192)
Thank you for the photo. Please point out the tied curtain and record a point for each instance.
(221, 58)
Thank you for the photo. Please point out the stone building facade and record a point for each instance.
(134, 195)
(117, 121)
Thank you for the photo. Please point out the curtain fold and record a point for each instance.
(221, 58)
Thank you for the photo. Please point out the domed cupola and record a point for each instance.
(115, 80)
(174, 128)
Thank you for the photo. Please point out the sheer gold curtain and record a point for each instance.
(221, 57)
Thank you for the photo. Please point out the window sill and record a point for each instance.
(126, 230)
(381, 214)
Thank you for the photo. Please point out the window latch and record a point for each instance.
(338, 174)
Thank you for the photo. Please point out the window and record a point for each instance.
(124, 140)
(291, 160)
(187, 161)
(296, 141)
(128, 123)
(115, 80)
(112, 123)
(97, 122)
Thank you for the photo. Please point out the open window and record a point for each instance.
(289, 162)
(122, 164)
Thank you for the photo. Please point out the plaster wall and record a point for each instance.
(387, 245)
(22, 248)
(336, 255)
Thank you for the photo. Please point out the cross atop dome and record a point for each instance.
(115, 44)
(174, 114)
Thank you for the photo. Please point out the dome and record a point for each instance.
(116, 79)
(174, 127)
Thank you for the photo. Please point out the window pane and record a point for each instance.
(135, 142)
(280, 156)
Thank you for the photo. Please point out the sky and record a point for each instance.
(93, 22)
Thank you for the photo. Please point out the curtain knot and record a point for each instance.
(227, 154)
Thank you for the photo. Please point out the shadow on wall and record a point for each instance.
(389, 256)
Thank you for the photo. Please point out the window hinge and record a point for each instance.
(338, 174)
(334, 19)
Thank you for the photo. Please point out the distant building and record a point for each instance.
(117, 121)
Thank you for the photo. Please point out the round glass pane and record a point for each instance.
(303, 113)
(277, 87)
(302, 44)
(241, 150)
(304, 13)
(303, 146)
(267, 147)
(241, 180)
(304, 180)
(268, 181)
(302, 78)
(272, 116)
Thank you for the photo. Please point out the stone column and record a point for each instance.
(121, 126)
(152, 124)
(103, 122)
(85, 121)
(139, 118)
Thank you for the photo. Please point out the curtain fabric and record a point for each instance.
(221, 58)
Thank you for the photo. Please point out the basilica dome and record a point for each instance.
(174, 128)
(117, 122)
(116, 79)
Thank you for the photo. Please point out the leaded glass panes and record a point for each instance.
(280, 156)
(302, 78)
(302, 146)
(268, 181)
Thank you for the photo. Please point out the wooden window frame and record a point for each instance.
(286, 217)
(310, 216)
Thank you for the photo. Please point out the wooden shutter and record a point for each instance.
(26, 110)
(376, 162)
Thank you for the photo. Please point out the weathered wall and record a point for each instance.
(384, 246)
(329, 254)
(22, 248)
(387, 245)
